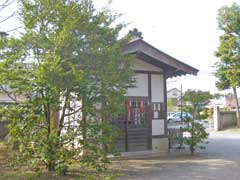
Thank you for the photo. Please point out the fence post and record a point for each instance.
(169, 139)
(216, 119)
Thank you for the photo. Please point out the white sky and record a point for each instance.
(184, 29)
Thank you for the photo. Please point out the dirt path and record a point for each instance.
(220, 161)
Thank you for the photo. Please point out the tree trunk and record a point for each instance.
(51, 166)
(55, 117)
(192, 138)
(84, 120)
(192, 133)
(192, 150)
(237, 106)
(83, 124)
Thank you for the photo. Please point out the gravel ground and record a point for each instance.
(220, 160)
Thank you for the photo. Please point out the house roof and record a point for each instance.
(148, 53)
(2, 33)
(5, 99)
(174, 89)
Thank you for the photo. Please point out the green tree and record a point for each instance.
(228, 69)
(67, 76)
(196, 101)
(172, 104)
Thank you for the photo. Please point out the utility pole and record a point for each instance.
(181, 104)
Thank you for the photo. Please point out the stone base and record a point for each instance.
(160, 144)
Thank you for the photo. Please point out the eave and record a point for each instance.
(148, 53)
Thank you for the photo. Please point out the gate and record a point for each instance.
(136, 126)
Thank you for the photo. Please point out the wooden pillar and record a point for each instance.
(150, 112)
(216, 119)
(165, 104)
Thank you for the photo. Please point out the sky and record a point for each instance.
(186, 30)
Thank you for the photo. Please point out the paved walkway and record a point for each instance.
(220, 161)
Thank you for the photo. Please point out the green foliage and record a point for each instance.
(68, 61)
(172, 104)
(197, 133)
(197, 136)
(98, 146)
(203, 114)
(210, 113)
(226, 109)
(197, 98)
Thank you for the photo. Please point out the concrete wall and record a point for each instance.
(157, 88)
(141, 88)
(224, 119)
(157, 83)
(158, 127)
(160, 144)
(159, 141)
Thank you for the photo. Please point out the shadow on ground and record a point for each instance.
(219, 161)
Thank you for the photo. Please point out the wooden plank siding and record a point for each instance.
(137, 140)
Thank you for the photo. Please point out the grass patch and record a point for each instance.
(20, 175)
(9, 173)
(5, 153)
(75, 171)
(233, 130)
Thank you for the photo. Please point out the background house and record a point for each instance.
(173, 99)
(4, 99)
(174, 93)
(230, 101)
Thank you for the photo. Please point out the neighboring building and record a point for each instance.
(173, 100)
(145, 125)
(4, 99)
(230, 101)
(3, 34)
(174, 93)
(220, 102)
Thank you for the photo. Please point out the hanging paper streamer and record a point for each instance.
(141, 105)
(129, 105)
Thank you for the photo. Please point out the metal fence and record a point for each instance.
(175, 135)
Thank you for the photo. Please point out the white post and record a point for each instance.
(216, 119)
